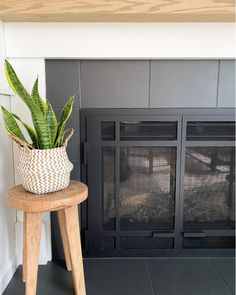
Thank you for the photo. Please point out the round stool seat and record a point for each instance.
(23, 200)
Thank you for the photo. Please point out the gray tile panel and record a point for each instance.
(73, 148)
(226, 92)
(57, 248)
(183, 83)
(52, 279)
(186, 277)
(114, 84)
(226, 269)
(169, 276)
(62, 81)
(75, 173)
(102, 277)
(117, 277)
(125, 84)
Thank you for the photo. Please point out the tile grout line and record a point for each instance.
(150, 278)
(218, 83)
(149, 84)
(221, 277)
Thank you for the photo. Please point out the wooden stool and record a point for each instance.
(65, 202)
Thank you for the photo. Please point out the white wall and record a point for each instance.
(7, 216)
(121, 40)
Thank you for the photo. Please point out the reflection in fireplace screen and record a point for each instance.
(147, 187)
(209, 188)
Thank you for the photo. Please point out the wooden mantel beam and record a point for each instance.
(118, 10)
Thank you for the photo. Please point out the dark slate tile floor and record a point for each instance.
(151, 276)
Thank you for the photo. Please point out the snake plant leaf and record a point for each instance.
(40, 103)
(12, 127)
(47, 132)
(52, 124)
(29, 129)
(65, 114)
(40, 125)
(37, 116)
(17, 86)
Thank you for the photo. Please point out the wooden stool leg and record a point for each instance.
(62, 225)
(32, 242)
(24, 251)
(73, 234)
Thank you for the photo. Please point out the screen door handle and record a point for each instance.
(163, 234)
(194, 234)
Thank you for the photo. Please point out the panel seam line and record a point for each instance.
(149, 85)
(150, 278)
(217, 86)
(221, 277)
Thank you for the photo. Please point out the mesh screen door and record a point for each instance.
(132, 177)
(159, 185)
(209, 184)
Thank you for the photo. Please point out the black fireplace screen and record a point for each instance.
(159, 184)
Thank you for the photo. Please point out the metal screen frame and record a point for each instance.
(91, 147)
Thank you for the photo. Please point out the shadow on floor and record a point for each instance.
(151, 276)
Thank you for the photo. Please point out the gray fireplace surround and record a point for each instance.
(176, 89)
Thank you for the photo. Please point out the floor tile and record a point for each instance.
(226, 269)
(186, 277)
(52, 279)
(171, 276)
(117, 277)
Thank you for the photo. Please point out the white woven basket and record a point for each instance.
(45, 171)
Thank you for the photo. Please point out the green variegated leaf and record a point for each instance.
(66, 112)
(40, 103)
(48, 132)
(37, 116)
(12, 127)
(51, 121)
(41, 129)
(29, 129)
(17, 86)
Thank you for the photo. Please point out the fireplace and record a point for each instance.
(157, 152)
(160, 182)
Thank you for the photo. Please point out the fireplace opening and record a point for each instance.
(158, 184)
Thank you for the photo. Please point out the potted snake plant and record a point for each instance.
(43, 161)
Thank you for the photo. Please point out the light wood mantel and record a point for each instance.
(118, 10)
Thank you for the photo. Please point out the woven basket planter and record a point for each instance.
(45, 171)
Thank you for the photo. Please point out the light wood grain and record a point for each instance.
(22, 200)
(24, 249)
(73, 233)
(64, 237)
(32, 243)
(122, 10)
